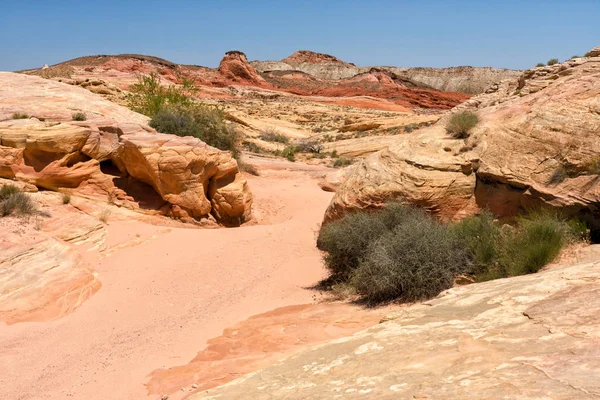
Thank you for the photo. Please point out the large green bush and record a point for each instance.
(346, 241)
(204, 122)
(402, 253)
(414, 261)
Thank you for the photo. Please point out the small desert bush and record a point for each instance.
(401, 253)
(201, 121)
(271, 135)
(66, 198)
(553, 61)
(104, 215)
(559, 174)
(540, 65)
(289, 152)
(342, 162)
(593, 166)
(460, 124)
(17, 202)
(20, 116)
(8, 190)
(148, 96)
(79, 116)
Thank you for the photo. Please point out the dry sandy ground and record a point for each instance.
(165, 292)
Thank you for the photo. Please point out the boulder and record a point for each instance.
(532, 129)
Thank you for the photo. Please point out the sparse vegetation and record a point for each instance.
(558, 175)
(20, 116)
(461, 123)
(14, 201)
(79, 116)
(342, 162)
(104, 215)
(271, 135)
(401, 253)
(66, 198)
(201, 121)
(593, 166)
(148, 96)
(540, 65)
(289, 152)
(552, 61)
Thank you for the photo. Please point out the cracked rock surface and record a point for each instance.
(529, 337)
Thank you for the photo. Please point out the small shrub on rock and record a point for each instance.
(460, 124)
(79, 116)
(553, 61)
(342, 162)
(20, 116)
(540, 65)
(271, 135)
(8, 190)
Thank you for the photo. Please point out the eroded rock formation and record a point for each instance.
(114, 155)
(537, 144)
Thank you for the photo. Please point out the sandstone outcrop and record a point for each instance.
(42, 275)
(236, 68)
(536, 145)
(114, 155)
(529, 337)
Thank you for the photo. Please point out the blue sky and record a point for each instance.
(510, 34)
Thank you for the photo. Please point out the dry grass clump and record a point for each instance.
(461, 123)
(13, 201)
(271, 135)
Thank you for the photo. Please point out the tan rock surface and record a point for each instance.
(42, 275)
(546, 120)
(529, 337)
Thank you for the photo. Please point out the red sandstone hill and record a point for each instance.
(234, 69)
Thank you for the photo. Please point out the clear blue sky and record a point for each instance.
(511, 34)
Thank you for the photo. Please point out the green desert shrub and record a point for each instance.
(536, 241)
(290, 153)
(17, 203)
(553, 61)
(461, 123)
(345, 241)
(201, 121)
(66, 198)
(20, 116)
(479, 235)
(148, 96)
(79, 116)
(416, 260)
(540, 65)
(342, 162)
(402, 253)
(271, 135)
